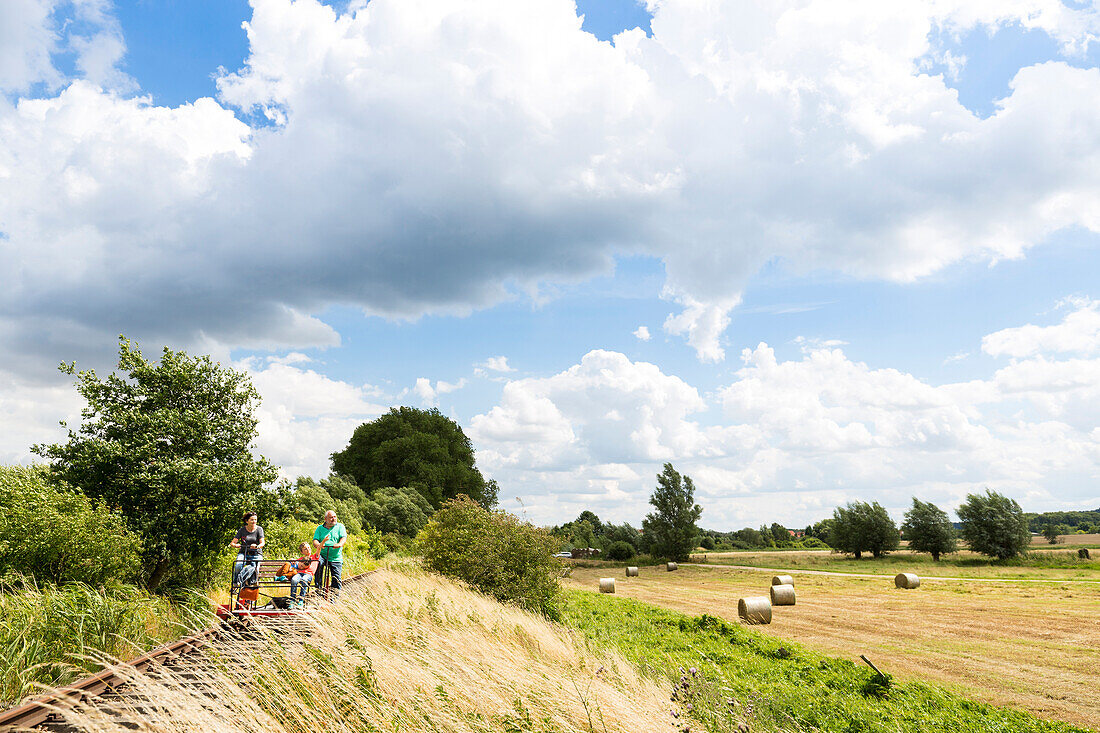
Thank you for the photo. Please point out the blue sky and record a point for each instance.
(807, 253)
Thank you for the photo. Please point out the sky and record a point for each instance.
(807, 251)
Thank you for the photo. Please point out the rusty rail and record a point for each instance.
(37, 711)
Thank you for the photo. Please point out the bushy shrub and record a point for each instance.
(814, 543)
(494, 552)
(57, 534)
(369, 543)
(620, 551)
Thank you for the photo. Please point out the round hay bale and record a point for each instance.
(671, 566)
(755, 610)
(1083, 553)
(782, 595)
(607, 585)
(782, 580)
(907, 581)
(632, 572)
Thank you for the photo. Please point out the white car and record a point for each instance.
(564, 554)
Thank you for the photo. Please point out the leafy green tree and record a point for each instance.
(672, 526)
(422, 449)
(55, 533)
(592, 519)
(620, 551)
(496, 553)
(399, 511)
(749, 537)
(310, 499)
(613, 533)
(168, 445)
(707, 543)
(780, 535)
(583, 535)
(1051, 532)
(861, 527)
(994, 525)
(823, 529)
(928, 529)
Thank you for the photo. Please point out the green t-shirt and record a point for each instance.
(333, 535)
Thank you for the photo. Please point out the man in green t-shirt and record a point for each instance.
(328, 540)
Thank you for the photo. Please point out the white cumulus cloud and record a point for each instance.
(436, 156)
(790, 440)
(1078, 332)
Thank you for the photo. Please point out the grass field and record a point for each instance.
(728, 676)
(1027, 644)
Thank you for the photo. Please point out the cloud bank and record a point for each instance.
(428, 156)
(792, 439)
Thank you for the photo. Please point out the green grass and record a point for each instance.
(53, 635)
(743, 676)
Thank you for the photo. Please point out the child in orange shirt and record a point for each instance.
(302, 576)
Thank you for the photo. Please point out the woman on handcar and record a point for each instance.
(249, 542)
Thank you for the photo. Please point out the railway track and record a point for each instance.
(180, 659)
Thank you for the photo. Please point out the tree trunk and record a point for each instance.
(859, 554)
(158, 574)
(936, 556)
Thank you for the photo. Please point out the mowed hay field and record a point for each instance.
(1030, 645)
(1075, 540)
(1056, 563)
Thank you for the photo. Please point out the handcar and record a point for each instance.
(267, 593)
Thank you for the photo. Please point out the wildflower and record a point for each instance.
(693, 671)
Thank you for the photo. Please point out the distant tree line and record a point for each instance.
(1054, 524)
(991, 524)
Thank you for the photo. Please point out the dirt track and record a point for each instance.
(1028, 644)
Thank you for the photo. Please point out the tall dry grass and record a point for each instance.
(53, 634)
(411, 652)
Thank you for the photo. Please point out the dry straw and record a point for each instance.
(782, 595)
(671, 566)
(782, 580)
(907, 581)
(369, 663)
(755, 610)
(632, 572)
(607, 585)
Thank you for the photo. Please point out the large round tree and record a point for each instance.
(421, 449)
(861, 527)
(994, 525)
(928, 529)
(168, 445)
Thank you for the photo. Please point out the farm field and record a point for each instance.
(1022, 644)
(1072, 540)
(1057, 563)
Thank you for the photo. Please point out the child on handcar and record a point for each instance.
(303, 575)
